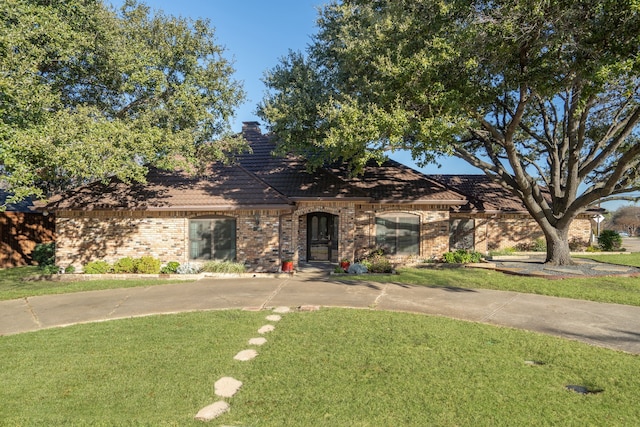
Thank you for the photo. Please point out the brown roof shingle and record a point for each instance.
(223, 187)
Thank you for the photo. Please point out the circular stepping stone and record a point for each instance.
(265, 329)
(274, 318)
(245, 355)
(257, 341)
(212, 411)
(226, 387)
(281, 310)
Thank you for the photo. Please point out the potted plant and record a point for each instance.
(345, 263)
(287, 266)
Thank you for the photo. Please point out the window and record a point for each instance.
(398, 234)
(461, 234)
(212, 238)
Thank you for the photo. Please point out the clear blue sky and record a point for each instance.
(256, 34)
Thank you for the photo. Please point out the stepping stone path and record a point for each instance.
(245, 355)
(257, 341)
(212, 411)
(265, 329)
(226, 387)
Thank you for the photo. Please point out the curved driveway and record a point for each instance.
(608, 325)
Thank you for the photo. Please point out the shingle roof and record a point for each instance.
(261, 179)
(394, 182)
(288, 175)
(222, 187)
(25, 206)
(483, 193)
(388, 182)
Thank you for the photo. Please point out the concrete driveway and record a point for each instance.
(608, 325)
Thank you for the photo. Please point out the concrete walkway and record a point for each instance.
(608, 325)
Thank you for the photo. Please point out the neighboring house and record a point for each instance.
(266, 209)
(21, 229)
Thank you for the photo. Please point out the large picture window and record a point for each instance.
(398, 234)
(212, 238)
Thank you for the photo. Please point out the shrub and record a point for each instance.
(539, 245)
(147, 265)
(462, 256)
(50, 269)
(610, 240)
(70, 269)
(376, 262)
(188, 268)
(223, 267)
(97, 267)
(124, 265)
(44, 254)
(170, 268)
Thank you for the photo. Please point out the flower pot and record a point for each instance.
(287, 266)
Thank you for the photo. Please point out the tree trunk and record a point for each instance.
(558, 252)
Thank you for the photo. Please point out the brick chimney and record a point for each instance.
(251, 127)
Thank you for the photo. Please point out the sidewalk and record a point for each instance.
(608, 325)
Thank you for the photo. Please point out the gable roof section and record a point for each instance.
(390, 182)
(393, 182)
(288, 175)
(222, 188)
(484, 195)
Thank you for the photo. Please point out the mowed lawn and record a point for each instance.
(21, 282)
(333, 367)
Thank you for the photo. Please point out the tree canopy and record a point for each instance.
(542, 96)
(87, 92)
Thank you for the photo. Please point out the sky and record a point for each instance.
(256, 34)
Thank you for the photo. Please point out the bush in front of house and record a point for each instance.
(147, 265)
(461, 256)
(44, 254)
(189, 268)
(170, 268)
(377, 262)
(223, 267)
(610, 240)
(97, 267)
(124, 265)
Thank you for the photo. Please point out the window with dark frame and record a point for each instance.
(212, 238)
(398, 234)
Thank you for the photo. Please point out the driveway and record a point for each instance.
(613, 326)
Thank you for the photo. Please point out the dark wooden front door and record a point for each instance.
(322, 237)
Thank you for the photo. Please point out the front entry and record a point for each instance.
(322, 237)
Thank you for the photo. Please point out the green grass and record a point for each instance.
(631, 259)
(621, 290)
(332, 367)
(21, 282)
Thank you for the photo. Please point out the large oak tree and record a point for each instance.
(540, 95)
(87, 92)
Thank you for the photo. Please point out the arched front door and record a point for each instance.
(322, 237)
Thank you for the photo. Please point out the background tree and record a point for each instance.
(541, 96)
(625, 219)
(87, 93)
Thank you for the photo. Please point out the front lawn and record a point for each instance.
(330, 367)
(620, 290)
(631, 259)
(21, 282)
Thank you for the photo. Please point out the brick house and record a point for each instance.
(265, 209)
